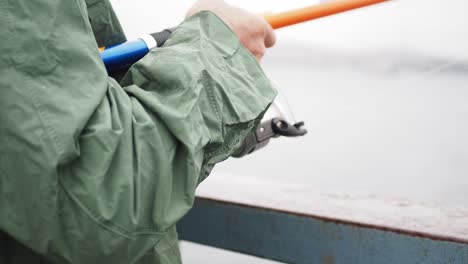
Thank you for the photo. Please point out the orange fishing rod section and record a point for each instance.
(304, 14)
(122, 56)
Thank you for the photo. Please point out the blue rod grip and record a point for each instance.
(122, 56)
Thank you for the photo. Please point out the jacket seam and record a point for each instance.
(231, 144)
(32, 94)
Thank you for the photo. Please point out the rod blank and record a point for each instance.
(304, 14)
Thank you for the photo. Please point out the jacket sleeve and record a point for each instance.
(105, 24)
(93, 171)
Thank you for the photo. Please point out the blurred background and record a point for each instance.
(383, 91)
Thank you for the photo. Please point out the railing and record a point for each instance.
(295, 224)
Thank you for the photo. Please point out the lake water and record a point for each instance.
(383, 92)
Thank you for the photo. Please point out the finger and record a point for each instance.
(270, 36)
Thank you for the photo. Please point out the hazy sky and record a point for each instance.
(433, 26)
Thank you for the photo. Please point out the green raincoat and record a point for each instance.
(97, 171)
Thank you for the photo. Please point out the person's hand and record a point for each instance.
(252, 30)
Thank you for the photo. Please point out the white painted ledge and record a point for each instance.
(417, 219)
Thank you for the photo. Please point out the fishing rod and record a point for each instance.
(278, 120)
(308, 13)
(122, 56)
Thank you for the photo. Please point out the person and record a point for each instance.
(95, 170)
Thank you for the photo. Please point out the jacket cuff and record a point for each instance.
(205, 85)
